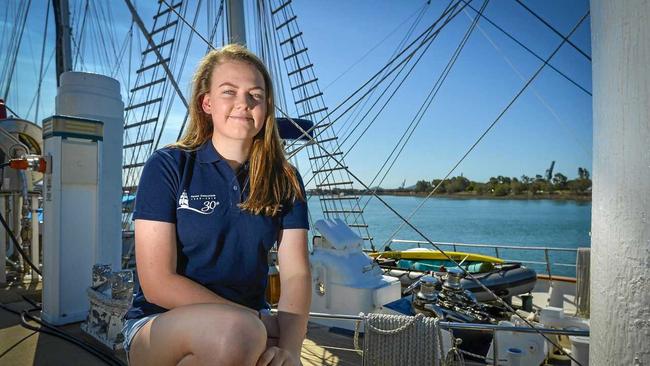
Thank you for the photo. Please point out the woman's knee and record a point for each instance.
(206, 333)
(230, 335)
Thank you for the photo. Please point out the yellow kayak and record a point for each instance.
(427, 254)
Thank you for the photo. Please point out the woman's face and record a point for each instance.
(236, 101)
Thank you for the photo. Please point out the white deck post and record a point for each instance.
(620, 261)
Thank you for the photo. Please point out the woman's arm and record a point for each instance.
(155, 245)
(295, 280)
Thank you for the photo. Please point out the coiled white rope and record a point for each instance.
(399, 340)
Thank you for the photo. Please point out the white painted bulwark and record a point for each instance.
(98, 97)
(620, 258)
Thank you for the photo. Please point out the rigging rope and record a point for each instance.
(428, 101)
(537, 95)
(421, 12)
(344, 128)
(12, 59)
(539, 69)
(40, 71)
(408, 58)
(212, 35)
(529, 50)
(555, 30)
(422, 43)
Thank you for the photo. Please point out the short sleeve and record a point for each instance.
(156, 196)
(296, 215)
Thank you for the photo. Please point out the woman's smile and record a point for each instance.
(242, 118)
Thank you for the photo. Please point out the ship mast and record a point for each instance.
(63, 32)
(236, 23)
(620, 289)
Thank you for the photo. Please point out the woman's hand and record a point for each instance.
(276, 356)
(270, 322)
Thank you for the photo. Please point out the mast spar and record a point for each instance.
(236, 22)
(63, 32)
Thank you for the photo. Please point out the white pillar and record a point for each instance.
(98, 97)
(620, 260)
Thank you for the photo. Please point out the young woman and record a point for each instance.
(208, 210)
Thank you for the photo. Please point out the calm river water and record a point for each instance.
(540, 223)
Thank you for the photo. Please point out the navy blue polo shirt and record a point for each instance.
(219, 245)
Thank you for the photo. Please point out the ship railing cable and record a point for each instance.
(408, 321)
(496, 120)
(507, 34)
(406, 221)
(547, 24)
(496, 248)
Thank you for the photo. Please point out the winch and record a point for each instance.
(441, 295)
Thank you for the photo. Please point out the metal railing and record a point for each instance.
(547, 250)
(462, 326)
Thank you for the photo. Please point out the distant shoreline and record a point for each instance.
(557, 196)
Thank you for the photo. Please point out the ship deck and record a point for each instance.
(20, 346)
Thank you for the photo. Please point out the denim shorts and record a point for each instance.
(131, 328)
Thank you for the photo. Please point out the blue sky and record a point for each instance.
(552, 120)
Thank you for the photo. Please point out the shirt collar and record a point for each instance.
(208, 154)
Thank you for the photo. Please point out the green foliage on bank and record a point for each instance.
(501, 186)
(559, 186)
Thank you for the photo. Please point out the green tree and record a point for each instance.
(560, 181)
(423, 186)
(436, 183)
(456, 184)
(517, 187)
(502, 189)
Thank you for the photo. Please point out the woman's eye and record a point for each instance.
(229, 92)
(257, 96)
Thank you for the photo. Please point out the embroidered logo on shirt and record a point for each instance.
(209, 203)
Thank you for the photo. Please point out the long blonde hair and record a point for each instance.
(273, 181)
